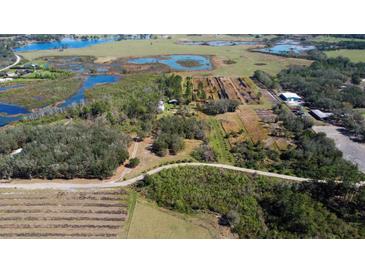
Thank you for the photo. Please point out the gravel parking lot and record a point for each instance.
(352, 151)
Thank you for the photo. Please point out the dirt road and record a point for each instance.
(116, 183)
(12, 65)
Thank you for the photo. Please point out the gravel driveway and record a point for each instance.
(352, 151)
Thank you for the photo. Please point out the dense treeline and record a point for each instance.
(171, 131)
(171, 86)
(313, 155)
(265, 79)
(59, 151)
(324, 85)
(340, 45)
(257, 207)
(220, 106)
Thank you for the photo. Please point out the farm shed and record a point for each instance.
(320, 115)
(290, 96)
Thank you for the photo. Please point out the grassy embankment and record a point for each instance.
(246, 61)
(219, 144)
(148, 221)
(355, 55)
(332, 39)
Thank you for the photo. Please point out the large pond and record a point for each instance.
(64, 43)
(288, 46)
(219, 43)
(90, 82)
(177, 62)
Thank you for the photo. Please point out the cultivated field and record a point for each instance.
(246, 62)
(62, 214)
(235, 88)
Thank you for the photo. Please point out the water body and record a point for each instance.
(12, 109)
(288, 46)
(172, 61)
(9, 109)
(90, 82)
(9, 87)
(219, 43)
(4, 120)
(64, 43)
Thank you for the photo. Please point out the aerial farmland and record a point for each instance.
(179, 136)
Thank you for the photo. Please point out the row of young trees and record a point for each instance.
(257, 207)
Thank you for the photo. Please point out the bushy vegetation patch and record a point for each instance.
(220, 106)
(58, 151)
(254, 207)
(172, 130)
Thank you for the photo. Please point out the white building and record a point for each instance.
(161, 106)
(290, 96)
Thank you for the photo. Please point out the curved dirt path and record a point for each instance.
(117, 183)
(14, 64)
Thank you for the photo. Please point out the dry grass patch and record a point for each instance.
(152, 222)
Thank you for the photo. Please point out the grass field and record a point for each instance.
(355, 55)
(152, 222)
(331, 39)
(219, 144)
(246, 62)
(41, 93)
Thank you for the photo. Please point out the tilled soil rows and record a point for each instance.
(62, 214)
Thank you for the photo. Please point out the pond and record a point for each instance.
(12, 109)
(219, 43)
(4, 120)
(9, 87)
(9, 109)
(90, 82)
(177, 62)
(64, 43)
(288, 46)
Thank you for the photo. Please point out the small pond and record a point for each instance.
(90, 82)
(9, 109)
(64, 43)
(219, 43)
(12, 109)
(4, 120)
(177, 62)
(288, 46)
(9, 87)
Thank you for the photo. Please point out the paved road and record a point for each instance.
(12, 65)
(116, 183)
